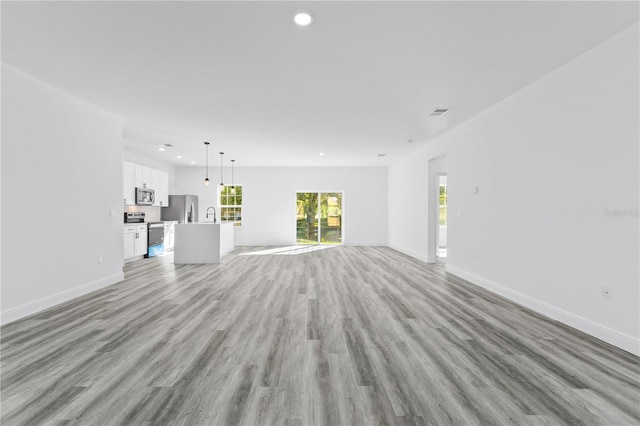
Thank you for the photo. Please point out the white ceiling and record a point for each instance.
(360, 81)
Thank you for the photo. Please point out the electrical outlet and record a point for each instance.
(99, 258)
(607, 292)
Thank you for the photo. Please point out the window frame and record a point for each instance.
(238, 208)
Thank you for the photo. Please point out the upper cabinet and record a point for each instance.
(137, 176)
(143, 177)
(160, 183)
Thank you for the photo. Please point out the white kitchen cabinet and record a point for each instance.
(160, 183)
(129, 183)
(143, 177)
(135, 241)
(129, 243)
(141, 241)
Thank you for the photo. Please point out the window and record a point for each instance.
(231, 204)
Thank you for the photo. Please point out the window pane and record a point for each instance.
(307, 218)
(330, 224)
(443, 215)
(443, 195)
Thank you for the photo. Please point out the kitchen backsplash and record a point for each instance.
(152, 214)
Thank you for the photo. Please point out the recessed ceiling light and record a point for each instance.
(321, 154)
(178, 156)
(161, 148)
(193, 162)
(303, 17)
(439, 111)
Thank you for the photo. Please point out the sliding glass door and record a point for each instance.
(319, 218)
(307, 218)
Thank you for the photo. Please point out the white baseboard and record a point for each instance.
(621, 340)
(411, 253)
(364, 244)
(36, 306)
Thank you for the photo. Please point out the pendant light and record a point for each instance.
(206, 179)
(221, 184)
(233, 187)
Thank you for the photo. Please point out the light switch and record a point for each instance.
(112, 213)
(474, 190)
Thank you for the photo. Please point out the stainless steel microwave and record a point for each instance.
(145, 196)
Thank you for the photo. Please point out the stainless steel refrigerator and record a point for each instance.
(183, 208)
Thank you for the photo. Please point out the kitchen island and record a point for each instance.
(202, 242)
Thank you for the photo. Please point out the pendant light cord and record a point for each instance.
(206, 180)
(221, 183)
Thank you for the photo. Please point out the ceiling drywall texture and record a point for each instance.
(360, 81)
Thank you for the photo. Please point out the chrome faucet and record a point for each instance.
(214, 213)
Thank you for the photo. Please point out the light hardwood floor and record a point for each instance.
(346, 335)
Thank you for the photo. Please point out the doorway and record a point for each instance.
(435, 211)
(442, 216)
(319, 217)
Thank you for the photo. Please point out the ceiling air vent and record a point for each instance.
(438, 112)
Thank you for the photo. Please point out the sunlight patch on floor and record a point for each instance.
(288, 251)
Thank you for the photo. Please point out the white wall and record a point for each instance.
(409, 180)
(269, 200)
(550, 161)
(61, 178)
